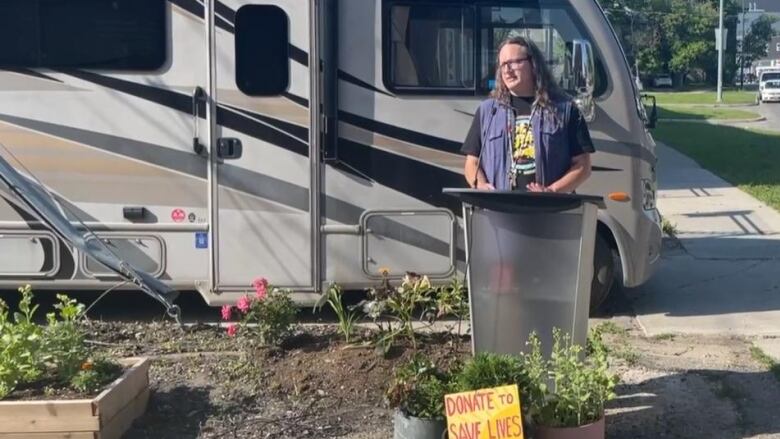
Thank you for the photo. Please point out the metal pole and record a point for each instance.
(742, 51)
(720, 55)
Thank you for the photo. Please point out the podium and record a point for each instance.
(529, 266)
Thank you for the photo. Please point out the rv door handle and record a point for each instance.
(198, 96)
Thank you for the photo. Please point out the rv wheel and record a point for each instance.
(603, 273)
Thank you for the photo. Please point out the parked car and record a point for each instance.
(770, 92)
(662, 81)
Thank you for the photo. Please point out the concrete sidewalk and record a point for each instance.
(722, 273)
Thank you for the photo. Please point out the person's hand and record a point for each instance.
(485, 186)
(536, 187)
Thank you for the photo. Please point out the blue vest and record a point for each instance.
(551, 143)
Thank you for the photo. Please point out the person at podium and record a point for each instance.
(529, 135)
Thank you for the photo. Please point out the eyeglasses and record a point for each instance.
(514, 64)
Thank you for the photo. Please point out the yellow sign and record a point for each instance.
(484, 414)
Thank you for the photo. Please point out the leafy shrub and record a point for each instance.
(487, 370)
(93, 375)
(270, 312)
(418, 388)
(30, 352)
(567, 390)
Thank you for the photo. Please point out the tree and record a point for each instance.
(755, 42)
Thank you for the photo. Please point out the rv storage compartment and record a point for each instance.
(420, 241)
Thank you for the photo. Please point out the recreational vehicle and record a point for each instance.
(206, 143)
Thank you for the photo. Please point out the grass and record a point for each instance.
(704, 97)
(765, 360)
(702, 113)
(664, 337)
(747, 158)
(667, 227)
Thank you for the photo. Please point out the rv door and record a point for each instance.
(261, 177)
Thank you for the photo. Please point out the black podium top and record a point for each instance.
(522, 201)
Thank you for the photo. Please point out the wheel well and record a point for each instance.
(605, 232)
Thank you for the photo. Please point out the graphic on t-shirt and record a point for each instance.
(523, 151)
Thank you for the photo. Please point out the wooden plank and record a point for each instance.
(76, 435)
(123, 390)
(47, 416)
(115, 427)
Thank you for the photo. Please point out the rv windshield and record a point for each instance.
(770, 76)
(772, 84)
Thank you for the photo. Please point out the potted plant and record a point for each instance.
(417, 395)
(565, 395)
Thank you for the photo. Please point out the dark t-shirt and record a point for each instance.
(523, 143)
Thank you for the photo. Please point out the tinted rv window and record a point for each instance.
(92, 34)
(262, 50)
(431, 47)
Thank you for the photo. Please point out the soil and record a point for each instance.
(207, 385)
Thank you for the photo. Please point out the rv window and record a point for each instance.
(431, 47)
(551, 28)
(262, 50)
(91, 34)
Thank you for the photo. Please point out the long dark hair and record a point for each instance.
(544, 84)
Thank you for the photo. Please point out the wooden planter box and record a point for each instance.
(107, 416)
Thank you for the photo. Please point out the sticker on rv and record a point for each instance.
(201, 240)
(177, 215)
(191, 217)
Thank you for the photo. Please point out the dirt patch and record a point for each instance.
(207, 385)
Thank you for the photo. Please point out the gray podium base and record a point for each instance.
(528, 272)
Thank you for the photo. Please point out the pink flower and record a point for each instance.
(261, 285)
(227, 312)
(232, 329)
(244, 303)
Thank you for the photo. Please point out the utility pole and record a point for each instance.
(742, 52)
(720, 55)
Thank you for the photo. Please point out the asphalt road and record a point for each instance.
(771, 111)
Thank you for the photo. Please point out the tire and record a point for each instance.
(604, 269)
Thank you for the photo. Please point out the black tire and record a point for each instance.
(604, 269)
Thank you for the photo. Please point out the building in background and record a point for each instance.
(752, 10)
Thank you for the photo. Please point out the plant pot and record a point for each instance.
(595, 430)
(410, 427)
(107, 416)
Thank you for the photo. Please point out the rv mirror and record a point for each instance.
(229, 148)
(652, 118)
(584, 73)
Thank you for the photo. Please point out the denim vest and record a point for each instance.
(551, 143)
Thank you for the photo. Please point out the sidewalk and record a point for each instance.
(722, 273)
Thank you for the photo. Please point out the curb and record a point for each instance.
(715, 105)
(715, 121)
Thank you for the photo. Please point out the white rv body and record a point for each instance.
(329, 196)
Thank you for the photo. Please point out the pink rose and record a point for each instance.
(261, 286)
(244, 303)
(227, 312)
(232, 329)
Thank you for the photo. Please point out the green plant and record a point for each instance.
(400, 305)
(64, 345)
(567, 390)
(270, 313)
(21, 353)
(348, 318)
(93, 375)
(418, 388)
(30, 352)
(451, 299)
(487, 370)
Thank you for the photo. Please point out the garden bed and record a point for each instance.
(208, 385)
(108, 415)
